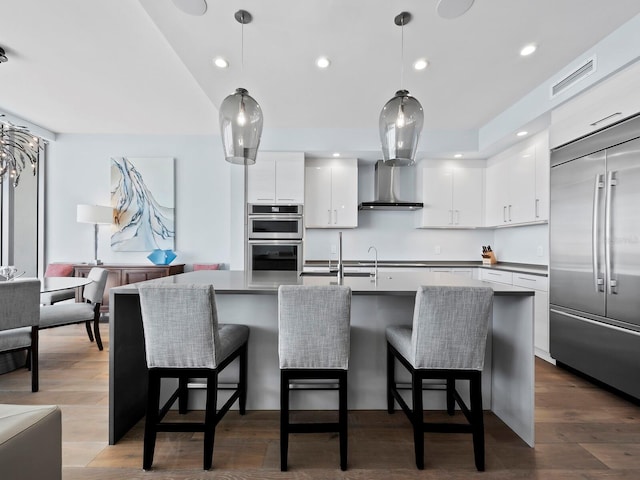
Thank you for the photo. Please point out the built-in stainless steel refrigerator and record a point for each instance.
(594, 255)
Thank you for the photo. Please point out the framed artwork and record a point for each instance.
(142, 196)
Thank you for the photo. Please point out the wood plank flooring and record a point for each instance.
(582, 433)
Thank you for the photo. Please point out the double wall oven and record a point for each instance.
(274, 237)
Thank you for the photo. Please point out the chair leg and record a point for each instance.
(284, 420)
(451, 401)
(33, 356)
(96, 326)
(183, 395)
(477, 421)
(343, 420)
(391, 379)
(151, 421)
(417, 420)
(210, 419)
(87, 325)
(242, 382)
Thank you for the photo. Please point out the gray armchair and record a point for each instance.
(19, 318)
(86, 312)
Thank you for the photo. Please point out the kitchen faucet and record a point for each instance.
(375, 271)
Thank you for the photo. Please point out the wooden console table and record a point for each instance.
(124, 274)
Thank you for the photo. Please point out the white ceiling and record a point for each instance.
(139, 67)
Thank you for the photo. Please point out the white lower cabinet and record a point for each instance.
(540, 285)
(463, 272)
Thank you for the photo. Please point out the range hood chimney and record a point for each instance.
(390, 184)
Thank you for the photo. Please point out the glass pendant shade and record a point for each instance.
(240, 127)
(401, 122)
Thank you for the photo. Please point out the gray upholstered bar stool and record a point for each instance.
(184, 340)
(313, 343)
(447, 341)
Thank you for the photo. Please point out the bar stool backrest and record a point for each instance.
(19, 304)
(450, 327)
(313, 326)
(180, 325)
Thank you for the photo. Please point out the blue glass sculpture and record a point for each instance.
(162, 257)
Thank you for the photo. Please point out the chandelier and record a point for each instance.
(18, 149)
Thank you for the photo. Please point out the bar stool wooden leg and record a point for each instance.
(417, 420)
(477, 420)
(343, 420)
(451, 400)
(151, 421)
(391, 380)
(210, 419)
(284, 420)
(242, 382)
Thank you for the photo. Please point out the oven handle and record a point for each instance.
(275, 242)
(271, 216)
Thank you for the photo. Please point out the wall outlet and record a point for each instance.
(540, 251)
(437, 250)
(334, 248)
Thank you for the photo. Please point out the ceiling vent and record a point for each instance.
(584, 70)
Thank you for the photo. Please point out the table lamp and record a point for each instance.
(96, 214)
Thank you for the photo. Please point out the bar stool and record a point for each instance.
(183, 340)
(447, 341)
(313, 343)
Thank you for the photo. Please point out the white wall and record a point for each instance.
(526, 244)
(79, 173)
(209, 210)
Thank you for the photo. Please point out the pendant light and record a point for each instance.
(240, 117)
(401, 118)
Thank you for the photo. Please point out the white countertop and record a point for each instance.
(395, 283)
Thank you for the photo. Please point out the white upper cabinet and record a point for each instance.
(612, 100)
(276, 177)
(452, 195)
(517, 184)
(331, 193)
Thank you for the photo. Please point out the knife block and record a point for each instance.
(489, 258)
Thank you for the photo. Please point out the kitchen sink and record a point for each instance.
(333, 274)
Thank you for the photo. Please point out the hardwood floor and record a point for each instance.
(582, 432)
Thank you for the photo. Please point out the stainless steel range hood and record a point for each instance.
(392, 186)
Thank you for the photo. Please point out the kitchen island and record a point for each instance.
(251, 299)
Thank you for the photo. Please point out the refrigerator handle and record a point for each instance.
(611, 283)
(598, 282)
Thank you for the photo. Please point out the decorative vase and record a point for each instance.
(162, 257)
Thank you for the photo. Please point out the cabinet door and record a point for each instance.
(289, 180)
(437, 196)
(317, 197)
(467, 194)
(344, 194)
(261, 181)
(521, 177)
(496, 195)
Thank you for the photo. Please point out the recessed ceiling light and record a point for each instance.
(220, 62)
(528, 49)
(421, 64)
(323, 62)
(336, 154)
(457, 155)
(522, 133)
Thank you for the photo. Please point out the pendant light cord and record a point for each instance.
(402, 56)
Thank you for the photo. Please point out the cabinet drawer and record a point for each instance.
(535, 282)
(496, 276)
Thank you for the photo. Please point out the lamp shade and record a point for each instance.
(401, 122)
(94, 214)
(240, 127)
